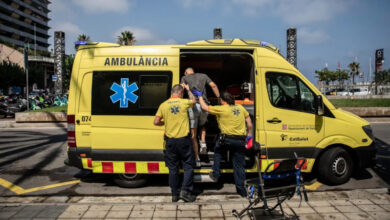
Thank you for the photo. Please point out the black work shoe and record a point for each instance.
(175, 198)
(187, 196)
(212, 177)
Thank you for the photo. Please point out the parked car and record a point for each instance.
(355, 91)
(334, 91)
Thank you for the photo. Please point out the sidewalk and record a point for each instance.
(355, 204)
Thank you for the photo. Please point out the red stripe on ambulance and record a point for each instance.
(153, 168)
(130, 167)
(107, 167)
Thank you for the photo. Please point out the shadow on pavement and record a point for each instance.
(382, 167)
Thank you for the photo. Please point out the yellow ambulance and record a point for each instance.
(115, 92)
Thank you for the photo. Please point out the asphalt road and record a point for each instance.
(32, 160)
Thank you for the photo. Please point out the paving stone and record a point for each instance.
(359, 216)
(95, 214)
(78, 207)
(348, 208)
(338, 202)
(118, 214)
(319, 203)
(310, 217)
(325, 209)
(211, 213)
(304, 210)
(297, 204)
(7, 214)
(29, 211)
(380, 201)
(72, 213)
(333, 216)
(141, 214)
(232, 206)
(188, 213)
(386, 207)
(361, 202)
(189, 218)
(20, 218)
(166, 207)
(188, 207)
(57, 199)
(213, 218)
(12, 208)
(52, 211)
(44, 218)
(121, 208)
(143, 207)
(379, 215)
(100, 207)
(163, 218)
(371, 208)
(227, 213)
(210, 206)
(165, 214)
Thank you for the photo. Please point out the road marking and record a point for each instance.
(313, 186)
(19, 190)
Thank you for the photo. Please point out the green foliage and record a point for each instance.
(126, 38)
(68, 71)
(355, 70)
(36, 75)
(382, 77)
(328, 76)
(360, 102)
(11, 75)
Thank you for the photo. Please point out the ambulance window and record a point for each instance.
(153, 90)
(289, 92)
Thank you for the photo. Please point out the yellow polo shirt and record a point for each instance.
(175, 115)
(231, 118)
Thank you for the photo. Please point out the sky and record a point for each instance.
(329, 31)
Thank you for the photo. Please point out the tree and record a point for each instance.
(11, 75)
(382, 77)
(126, 38)
(325, 75)
(355, 70)
(82, 37)
(68, 71)
(341, 76)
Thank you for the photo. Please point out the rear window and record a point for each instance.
(129, 92)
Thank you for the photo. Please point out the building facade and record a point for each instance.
(25, 21)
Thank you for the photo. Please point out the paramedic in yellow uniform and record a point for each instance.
(231, 119)
(178, 148)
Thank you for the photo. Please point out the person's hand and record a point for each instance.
(185, 86)
(197, 93)
(249, 142)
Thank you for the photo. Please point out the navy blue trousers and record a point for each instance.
(237, 152)
(179, 150)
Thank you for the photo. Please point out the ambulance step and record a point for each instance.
(202, 178)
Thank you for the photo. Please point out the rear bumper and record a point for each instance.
(74, 158)
(366, 155)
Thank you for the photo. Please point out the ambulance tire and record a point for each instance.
(130, 180)
(335, 167)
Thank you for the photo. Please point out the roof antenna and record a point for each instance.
(217, 33)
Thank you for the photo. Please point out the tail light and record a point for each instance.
(71, 131)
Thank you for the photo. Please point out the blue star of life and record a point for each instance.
(174, 109)
(124, 92)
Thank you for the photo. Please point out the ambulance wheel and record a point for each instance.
(335, 167)
(130, 180)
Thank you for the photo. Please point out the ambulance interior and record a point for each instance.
(231, 71)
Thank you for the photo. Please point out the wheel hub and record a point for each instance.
(339, 166)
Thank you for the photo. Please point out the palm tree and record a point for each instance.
(126, 38)
(355, 70)
(82, 37)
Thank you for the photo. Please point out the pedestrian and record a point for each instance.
(178, 145)
(198, 118)
(231, 119)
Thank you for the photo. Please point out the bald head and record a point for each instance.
(188, 71)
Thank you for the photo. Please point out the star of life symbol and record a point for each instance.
(175, 109)
(236, 111)
(124, 92)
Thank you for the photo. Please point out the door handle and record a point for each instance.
(274, 121)
(78, 122)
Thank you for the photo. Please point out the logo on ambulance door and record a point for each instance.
(124, 93)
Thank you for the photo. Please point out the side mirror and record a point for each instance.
(319, 105)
